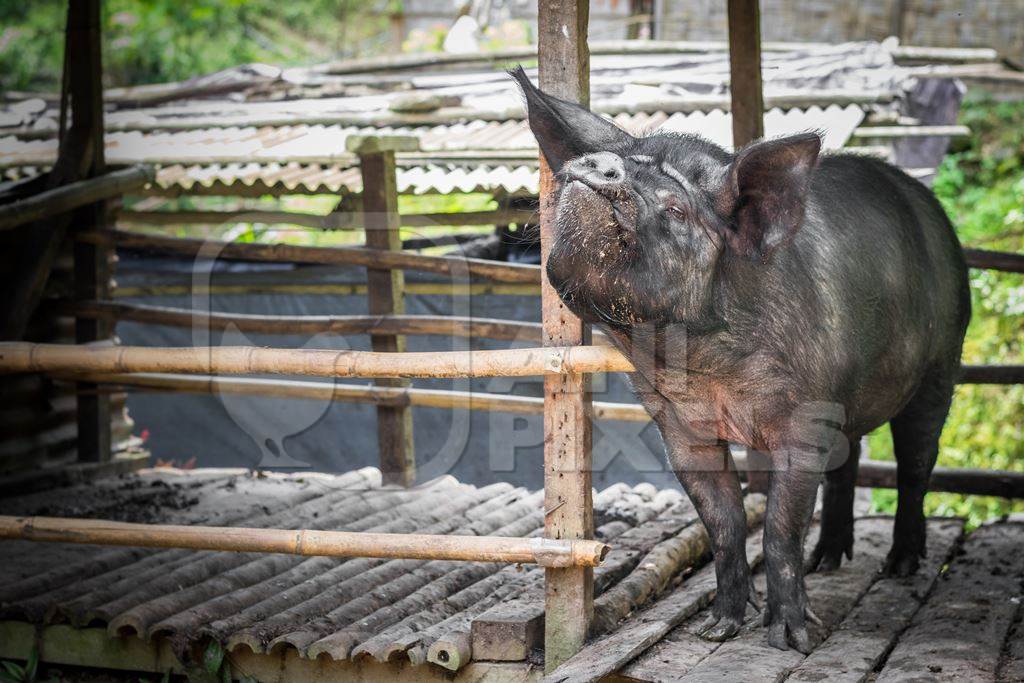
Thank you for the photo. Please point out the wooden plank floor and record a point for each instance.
(957, 619)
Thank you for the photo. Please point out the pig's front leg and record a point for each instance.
(791, 495)
(715, 492)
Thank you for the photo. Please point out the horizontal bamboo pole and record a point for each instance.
(244, 360)
(332, 221)
(542, 551)
(910, 131)
(352, 393)
(67, 197)
(240, 360)
(448, 326)
(352, 256)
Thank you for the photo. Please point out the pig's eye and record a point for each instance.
(675, 211)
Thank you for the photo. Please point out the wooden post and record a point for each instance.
(385, 294)
(91, 261)
(745, 72)
(564, 63)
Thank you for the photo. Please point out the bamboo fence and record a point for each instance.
(308, 542)
(239, 360)
(244, 360)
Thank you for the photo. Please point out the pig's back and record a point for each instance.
(891, 277)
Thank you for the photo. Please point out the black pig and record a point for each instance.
(818, 295)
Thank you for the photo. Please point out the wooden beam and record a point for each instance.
(91, 281)
(27, 254)
(352, 256)
(745, 72)
(991, 374)
(564, 71)
(74, 195)
(352, 393)
(332, 221)
(91, 263)
(995, 260)
(385, 296)
(385, 324)
(64, 644)
(881, 474)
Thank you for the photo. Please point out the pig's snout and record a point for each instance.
(602, 171)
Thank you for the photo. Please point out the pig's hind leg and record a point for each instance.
(836, 538)
(915, 436)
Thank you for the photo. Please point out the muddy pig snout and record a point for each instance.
(601, 171)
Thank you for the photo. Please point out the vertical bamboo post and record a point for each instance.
(745, 71)
(91, 261)
(564, 62)
(385, 293)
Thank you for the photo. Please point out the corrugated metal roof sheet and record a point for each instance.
(311, 159)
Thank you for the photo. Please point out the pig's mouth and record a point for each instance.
(595, 253)
(586, 212)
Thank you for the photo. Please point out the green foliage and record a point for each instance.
(981, 186)
(12, 672)
(168, 40)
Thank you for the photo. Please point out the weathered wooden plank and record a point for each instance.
(512, 629)
(959, 633)
(657, 568)
(385, 296)
(861, 640)
(635, 635)
(832, 595)
(745, 71)
(564, 71)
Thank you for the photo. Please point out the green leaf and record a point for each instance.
(225, 672)
(15, 670)
(8, 678)
(166, 677)
(213, 657)
(32, 665)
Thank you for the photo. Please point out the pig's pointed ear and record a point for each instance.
(565, 130)
(765, 192)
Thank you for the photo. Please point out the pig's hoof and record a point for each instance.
(787, 628)
(798, 637)
(719, 628)
(899, 565)
(828, 554)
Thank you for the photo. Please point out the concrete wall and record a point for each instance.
(945, 23)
